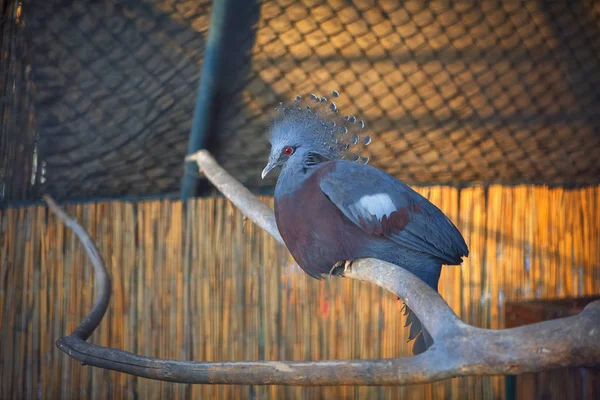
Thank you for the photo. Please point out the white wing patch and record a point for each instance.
(377, 204)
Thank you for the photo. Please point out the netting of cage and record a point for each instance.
(116, 87)
(19, 177)
(452, 92)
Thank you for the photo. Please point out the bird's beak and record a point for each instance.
(268, 168)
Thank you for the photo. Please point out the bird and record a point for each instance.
(332, 208)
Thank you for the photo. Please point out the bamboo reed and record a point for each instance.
(201, 283)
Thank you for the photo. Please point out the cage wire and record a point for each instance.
(19, 169)
(451, 92)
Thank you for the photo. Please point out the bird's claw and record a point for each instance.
(337, 264)
(346, 263)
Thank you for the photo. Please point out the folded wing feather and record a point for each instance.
(382, 205)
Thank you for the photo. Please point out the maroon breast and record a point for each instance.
(315, 231)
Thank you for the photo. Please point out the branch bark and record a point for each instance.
(458, 350)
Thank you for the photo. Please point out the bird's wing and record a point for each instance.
(382, 205)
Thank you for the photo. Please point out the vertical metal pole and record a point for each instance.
(510, 387)
(209, 82)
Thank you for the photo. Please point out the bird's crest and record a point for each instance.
(317, 120)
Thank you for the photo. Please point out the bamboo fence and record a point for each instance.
(204, 284)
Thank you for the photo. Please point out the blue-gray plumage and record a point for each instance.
(329, 209)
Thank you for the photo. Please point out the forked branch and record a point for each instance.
(458, 350)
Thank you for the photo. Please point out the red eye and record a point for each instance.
(288, 151)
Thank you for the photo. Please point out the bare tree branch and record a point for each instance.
(103, 284)
(257, 211)
(458, 350)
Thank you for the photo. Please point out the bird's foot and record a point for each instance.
(345, 263)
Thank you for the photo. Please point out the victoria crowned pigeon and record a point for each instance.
(332, 208)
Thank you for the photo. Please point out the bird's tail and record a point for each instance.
(422, 338)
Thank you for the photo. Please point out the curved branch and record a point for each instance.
(257, 211)
(103, 284)
(431, 309)
(458, 349)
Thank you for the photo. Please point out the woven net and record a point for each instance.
(451, 92)
(494, 91)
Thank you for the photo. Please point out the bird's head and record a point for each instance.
(312, 131)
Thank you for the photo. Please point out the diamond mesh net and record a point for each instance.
(451, 92)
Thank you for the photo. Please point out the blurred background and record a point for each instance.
(491, 109)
